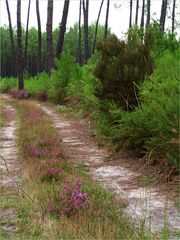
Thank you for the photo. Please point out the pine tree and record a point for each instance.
(19, 45)
(86, 30)
(96, 28)
(107, 18)
(50, 61)
(62, 29)
(39, 37)
(13, 62)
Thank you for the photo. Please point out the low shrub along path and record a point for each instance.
(10, 173)
(144, 204)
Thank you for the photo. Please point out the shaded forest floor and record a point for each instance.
(139, 189)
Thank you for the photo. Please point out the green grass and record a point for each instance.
(2, 115)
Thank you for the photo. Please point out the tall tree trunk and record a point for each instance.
(79, 37)
(13, 62)
(39, 37)
(62, 29)
(96, 29)
(173, 15)
(130, 16)
(26, 39)
(49, 36)
(163, 14)
(137, 11)
(86, 30)
(19, 44)
(148, 12)
(142, 17)
(107, 18)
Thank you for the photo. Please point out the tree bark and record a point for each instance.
(13, 62)
(163, 14)
(39, 38)
(62, 29)
(107, 17)
(86, 30)
(148, 12)
(19, 44)
(26, 38)
(173, 15)
(130, 16)
(79, 36)
(137, 11)
(49, 36)
(142, 17)
(96, 29)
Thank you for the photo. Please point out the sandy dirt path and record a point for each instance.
(143, 203)
(10, 172)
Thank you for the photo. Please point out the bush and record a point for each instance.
(42, 96)
(8, 83)
(50, 173)
(121, 68)
(153, 126)
(82, 87)
(37, 85)
(161, 41)
(60, 77)
(19, 94)
(70, 201)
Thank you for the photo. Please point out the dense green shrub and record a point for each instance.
(153, 127)
(36, 85)
(66, 68)
(160, 40)
(121, 68)
(82, 87)
(8, 83)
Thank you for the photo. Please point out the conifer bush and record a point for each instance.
(122, 66)
(153, 127)
(65, 69)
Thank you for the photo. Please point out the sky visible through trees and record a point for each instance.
(118, 13)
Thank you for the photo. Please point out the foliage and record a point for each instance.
(153, 126)
(37, 85)
(81, 87)
(8, 83)
(121, 68)
(70, 47)
(69, 201)
(51, 173)
(42, 96)
(161, 41)
(19, 94)
(60, 76)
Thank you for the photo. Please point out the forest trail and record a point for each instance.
(144, 204)
(10, 174)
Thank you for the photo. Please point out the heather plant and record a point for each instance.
(49, 173)
(19, 94)
(42, 96)
(69, 201)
